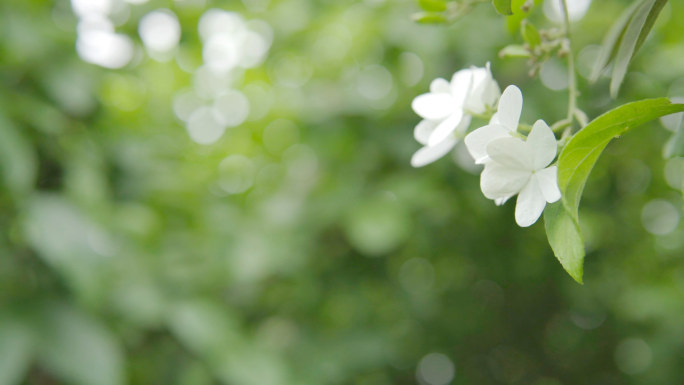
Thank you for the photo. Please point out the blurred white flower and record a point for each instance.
(502, 125)
(446, 111)
(520, 167)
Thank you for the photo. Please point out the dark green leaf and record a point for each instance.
(433, 5)
(503, 6)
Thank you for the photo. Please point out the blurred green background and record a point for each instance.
(182, 215)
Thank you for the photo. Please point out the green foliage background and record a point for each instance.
(122, 260)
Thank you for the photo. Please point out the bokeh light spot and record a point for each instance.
(435, 369)
(204, 126)
(633, 356)
(160, 31)
(232, 108)
(659, 217)
(236, 174)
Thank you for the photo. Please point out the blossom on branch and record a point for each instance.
(520, 167)
(446, 111)
(502, 124)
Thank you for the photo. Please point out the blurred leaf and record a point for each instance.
(429, 18)
(503, 6)
(78, 349)
(205, 327)
(675, 145)
(16, 350)
(612, 40)
(639, 26)
(575, 163)
(530, 34)
(433, 5)
(18, 160)
(650, 21)
(520, 9)
(514, 50)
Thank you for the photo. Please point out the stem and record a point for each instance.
(572, 80)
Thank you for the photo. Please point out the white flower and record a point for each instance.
(446, 111)
(503, 123)
(520, 167)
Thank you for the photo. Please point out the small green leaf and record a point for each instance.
(433, 5)
(429, 18)
(575, 163)
(514, 50)
(565, 239)
(530, 34)
(503, 6)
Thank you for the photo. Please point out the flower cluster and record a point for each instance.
(513, 164)
(447, 110)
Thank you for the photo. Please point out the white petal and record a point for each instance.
(477, 141)
(445, 128)
(512, 152)
(434, 106)
(463, 126)
(500, 182)
(440, 85)
(542, 144)
(423, 130)
(461, 84)
(530, 204)
(427, 155)
(510, 106)
(548, 183)
(482, 96)
(502, 200)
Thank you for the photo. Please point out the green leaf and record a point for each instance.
(530, 34)
(612, 40)
(675, 145)
(503, 6)
(580, 154)
(514, 50)
(575, 163)
(565, 239)
(16, 350)
(639, 26)
(433, 5)
(650, 21)
(429, 18)
(18, 160)
(79, 350)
